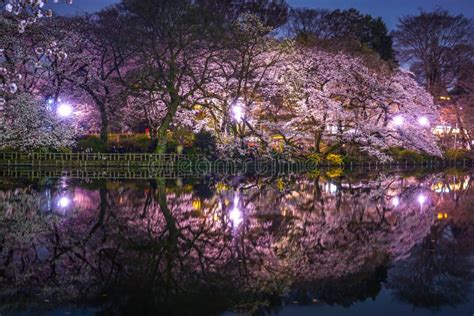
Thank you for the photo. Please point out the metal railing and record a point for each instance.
(93, 158)
(151, 159)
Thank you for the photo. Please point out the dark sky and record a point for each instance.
(389, 10)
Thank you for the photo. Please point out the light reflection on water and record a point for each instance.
(256, 245)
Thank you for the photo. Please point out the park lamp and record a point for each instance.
(64, 110)
(395, 201)
(64, 202)
(422, 199)
(423, 121)
(237, 112)
(398, 120)
(235, 215)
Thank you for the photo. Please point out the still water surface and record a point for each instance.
(318, 244)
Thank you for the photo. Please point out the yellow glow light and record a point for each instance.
(197, 205)
(441, 216)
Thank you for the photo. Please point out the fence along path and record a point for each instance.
(83, 159)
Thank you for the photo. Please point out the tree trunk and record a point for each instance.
(317, 142)
(104, 127)
(171, 243)
(161, 133)
(101, 104)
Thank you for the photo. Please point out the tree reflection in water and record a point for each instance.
(248, 244)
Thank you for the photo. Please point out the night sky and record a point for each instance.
(389, 10)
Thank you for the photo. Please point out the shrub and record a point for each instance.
(457, 154)
(400, 154)
(205, 143)
(138, 143)
(355, 154)
(90, 143)
(315, 158)
(190, 151)
(334, 159)
(172, 146)
(334, 173)
(7, 149)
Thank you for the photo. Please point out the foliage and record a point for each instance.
(401, 154)
(175, 44)
(334, 159)
(437, 44)
(315, 157)
(205, 143)
(272, 13)
(334, 172)
(458, 154)
(172, 146)
(90, 143)
(138, 143)
(343, 24)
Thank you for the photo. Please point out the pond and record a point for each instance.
(325, 243)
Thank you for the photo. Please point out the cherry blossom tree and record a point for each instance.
(27, 11)
(17, 15)
(180, 66)
(336, 99)
(175, 46)
(97, 57)
(26, 124)
(249, 55)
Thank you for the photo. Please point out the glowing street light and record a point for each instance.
(421, 199)
(235, 214)
(64, 202)
(64, 110)
(238, 112)
(423, 121)
(395, 201)
(398, 120)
